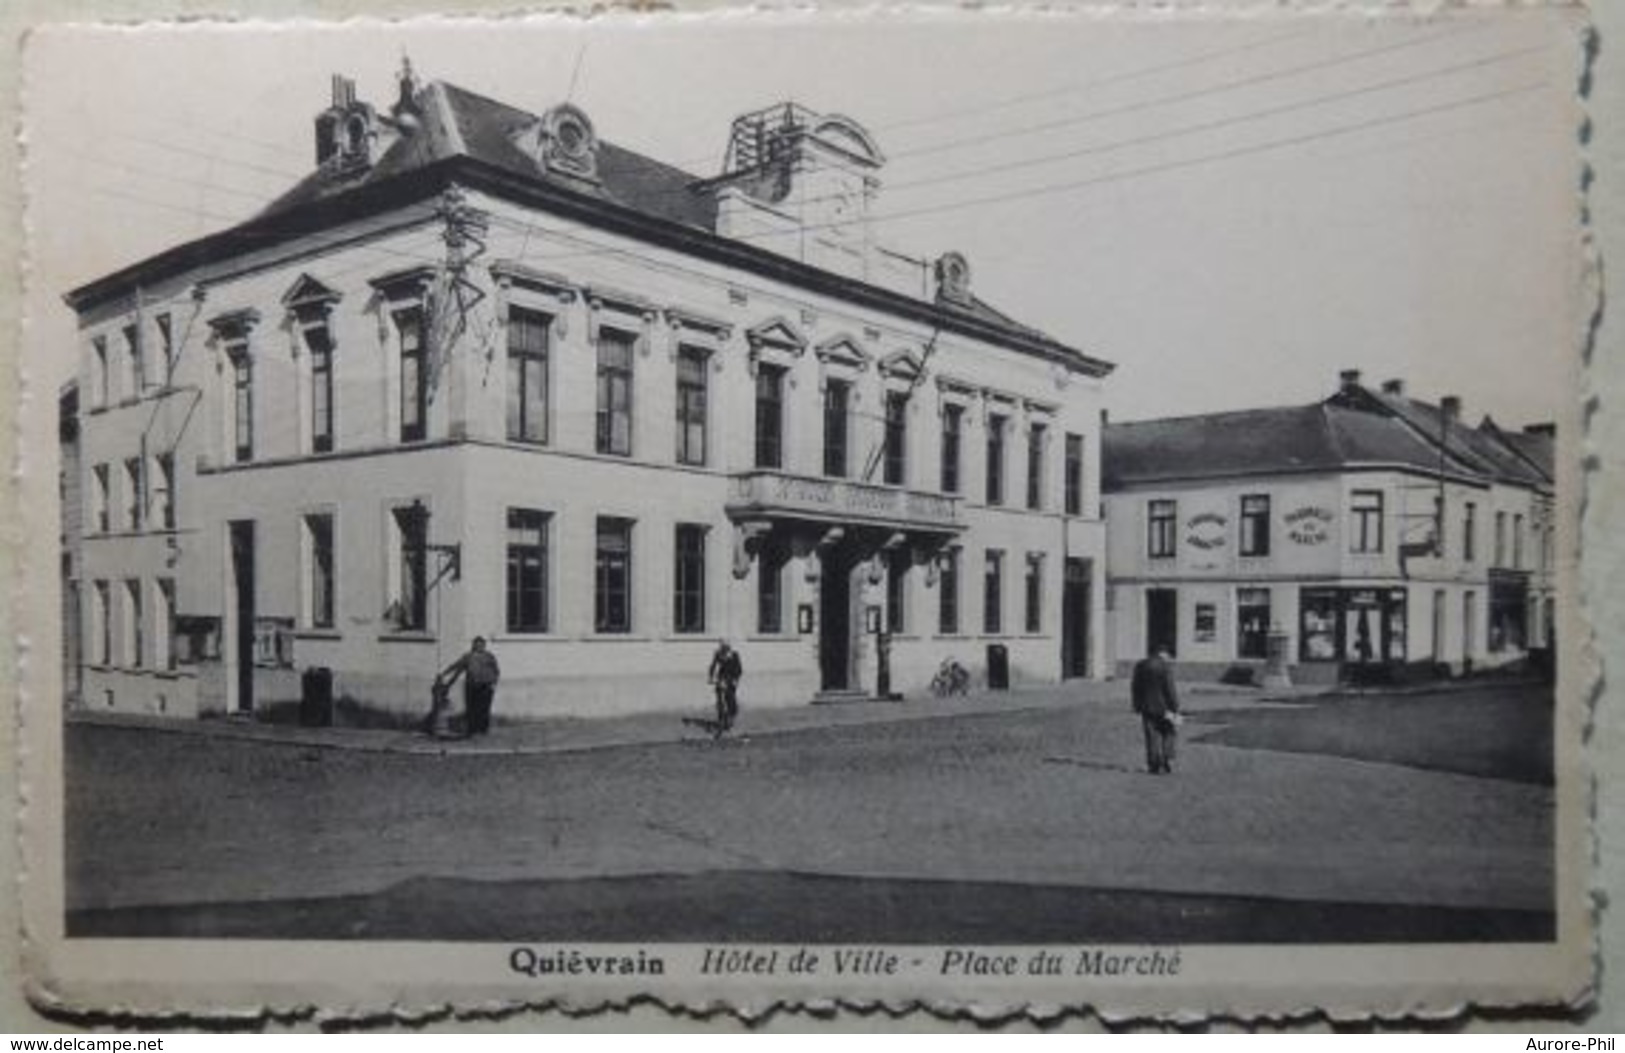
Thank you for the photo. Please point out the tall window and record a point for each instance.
(1035, 593)
(995, 459)
(242, 382)
(1500, 539)
(1255, 525)
(101, 499)
(769, 416)
(164, 624)
(135, 634)
(166, 345)
(320, 571)
(163, 490)
(1252, 623)
(612, 578)
(527, 570)
(412, 546)
(615, 392)
(993, 593)
(1517, 542)
(691, 405)
(101, 381)
(102, 630)
(1365, 507)
(953, 426)
(770, 590)
(948, 593)
(688, 579)
(898, 561)
(1074, 475)
(414, 374)
(1035, 465)
(320, 343)
(1160, 521)
(132, 493)
(1469, 532)
(138, 366)
(837, 398)
(528, 335)
(896, 465)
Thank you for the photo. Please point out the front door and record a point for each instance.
(835, 624)
(1075, 619)
(1161, 620)
(242, 642)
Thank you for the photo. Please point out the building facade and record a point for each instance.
(483, 373)
(1378, 536)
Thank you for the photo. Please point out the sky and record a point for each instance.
(1232, 211)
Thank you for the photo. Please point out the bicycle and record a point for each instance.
(951, 679)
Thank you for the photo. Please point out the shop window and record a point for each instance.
(1252, 623)
(1206, 623)
(1318, 626)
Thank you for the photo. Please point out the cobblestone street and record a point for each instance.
(1035, 799)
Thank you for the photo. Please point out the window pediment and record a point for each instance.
(843, 350)
(233, 327)
(411, 283)
(902, 365)
(310, 300)
(776, 334)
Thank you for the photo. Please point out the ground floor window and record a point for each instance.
(101, 629)
(688, 588)
(1252, 623)
(770, 590)
(134, 634)
(319, 571)
(948, 593)
(527, 570)
(612, 578)
(1035, 592)
(411, 601)
(1509, 603)
(993, 593)
(897, 564)
(1206, 622)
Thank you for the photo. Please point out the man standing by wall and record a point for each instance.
(1157, 702)
(479, 690)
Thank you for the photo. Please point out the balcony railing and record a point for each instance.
(770, 493)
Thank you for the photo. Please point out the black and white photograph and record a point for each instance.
(1003, 508)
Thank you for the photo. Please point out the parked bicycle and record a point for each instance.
(951, 679)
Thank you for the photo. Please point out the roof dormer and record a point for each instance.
(350, 133)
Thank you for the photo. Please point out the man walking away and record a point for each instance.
(724, 674)
(479, 690)
(1157, 702)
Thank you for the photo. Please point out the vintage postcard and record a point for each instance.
(999, 511)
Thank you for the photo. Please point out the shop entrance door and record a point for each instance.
(1162, 620)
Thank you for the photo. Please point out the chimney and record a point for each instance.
(1546, 428)
(1350, 378)
(1396, 386)
(1450, 406)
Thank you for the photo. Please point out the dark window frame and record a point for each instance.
(412, 328)
(1033, 598)
(769, 434)
(242, 378)
(894, 470)
(953, 439)
(996, 424)
(948, 593)
(693, 404)
(319, 343)
(1161, 528)
(837, 428)
(411, 524)
(1037, 435)
(526, 408)
(613, 591)
(1073, 482)
(525, 589)
(1365, 519)
(1255, 525)
(322, 530)
(993, 592)
(689, 542)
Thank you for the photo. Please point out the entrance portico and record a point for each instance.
(849, 536)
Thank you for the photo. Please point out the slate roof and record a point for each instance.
(1342, 432)
(461, 128)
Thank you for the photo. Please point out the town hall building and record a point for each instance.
(484, 373)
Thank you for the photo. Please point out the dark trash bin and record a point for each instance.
(998, 667)
(316, 698)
